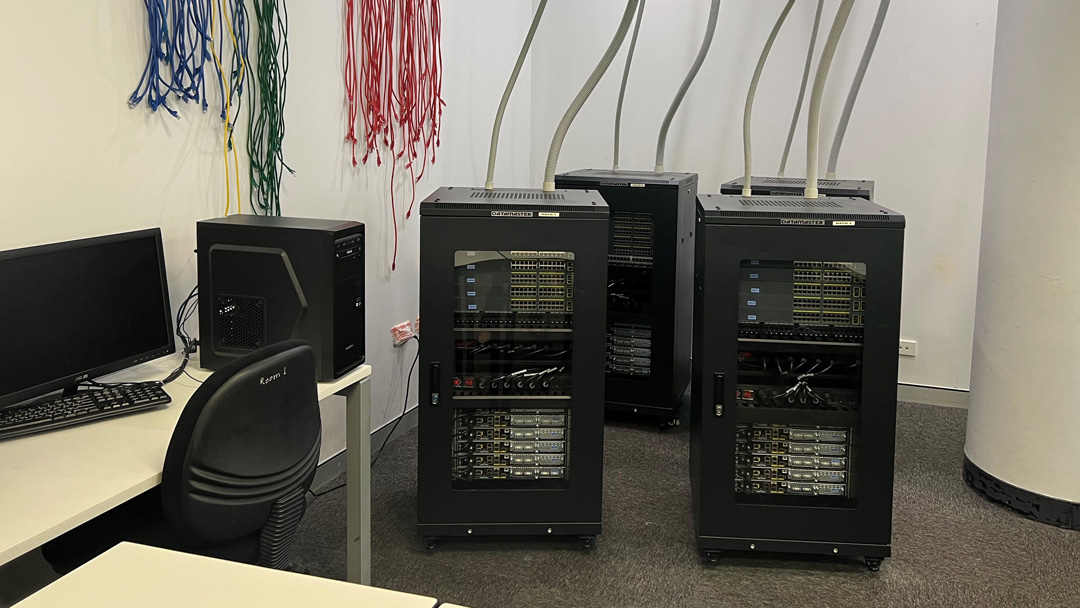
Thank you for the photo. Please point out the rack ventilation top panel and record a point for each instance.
(766, 186)
(607, 177)
(515, 203)
(795, 211)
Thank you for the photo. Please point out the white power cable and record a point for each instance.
(749, 107)
(710, 29)
(813, 122)
(583, 95)
(490, 183)
(622, 87)
(802, 88)
(853, 93)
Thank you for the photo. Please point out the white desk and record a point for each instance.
(135, 576)
(54, 481)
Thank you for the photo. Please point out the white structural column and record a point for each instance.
(1024, 416)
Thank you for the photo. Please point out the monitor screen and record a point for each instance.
(76, 310)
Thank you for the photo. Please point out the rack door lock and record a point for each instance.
(434, 384)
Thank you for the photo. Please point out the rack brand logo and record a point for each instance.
(802, 222)
(511, 214)
(268, 379)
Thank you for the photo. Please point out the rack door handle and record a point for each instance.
(718, 394)
(434, 384)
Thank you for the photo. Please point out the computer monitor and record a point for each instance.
(73, 311)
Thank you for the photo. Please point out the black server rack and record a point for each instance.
(796, 326)
(511, 420)
(795, 186)
(650, 286)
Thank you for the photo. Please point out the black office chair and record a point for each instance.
(239, 464)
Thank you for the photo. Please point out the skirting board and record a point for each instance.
(329, 471)
(932, 395)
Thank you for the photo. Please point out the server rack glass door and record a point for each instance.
(794, 407)
(511, 419)
(513, 364)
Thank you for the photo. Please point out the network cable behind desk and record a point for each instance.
(55, 481)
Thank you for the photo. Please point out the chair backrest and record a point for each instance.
(245, 449)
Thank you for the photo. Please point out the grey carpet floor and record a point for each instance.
(951, 547)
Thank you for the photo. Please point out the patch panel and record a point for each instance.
(550, 292)
(522, 291)
(806, 289)
(843, 291)
(523, 265)
(552, 264)
(836, 304)
(551, 305)
(553, 278)
(523, 277)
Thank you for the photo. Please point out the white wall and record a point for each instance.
(919, 128)
(75, 161)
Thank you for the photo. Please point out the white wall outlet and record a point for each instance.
(909, 348)
(401, 333)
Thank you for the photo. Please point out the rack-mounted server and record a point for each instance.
(512, 291)
(650, 285)
(795, 186)
(796, 321)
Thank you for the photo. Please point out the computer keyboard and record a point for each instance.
(81, 407)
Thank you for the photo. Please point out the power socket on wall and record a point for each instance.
(402, 333)
(908, 348)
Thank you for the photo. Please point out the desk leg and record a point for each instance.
(358, 478)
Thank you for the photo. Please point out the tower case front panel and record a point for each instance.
(512, 286)
(650, 285)
(797, 313)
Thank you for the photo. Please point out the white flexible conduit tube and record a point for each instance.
(490, 183)
(749, 107)
(622, 87)
(868, 52)
(661, 142)
(802, 89)
(583, 95)
(813, 122)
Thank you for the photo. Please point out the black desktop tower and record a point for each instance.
(796, 186)
(511, 421)
(267, 279)
(650, 285)
(796, 326)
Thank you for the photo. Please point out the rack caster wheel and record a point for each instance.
(712, 556)
(669, 423)
(873, 563)
(587, 542)
(432, 543)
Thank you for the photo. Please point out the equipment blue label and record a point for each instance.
(472, 306)
(755, 290)
(751, 317)
(470, 280)
(753, 275)
(470, 267)
(470, 293)
(751, 302)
